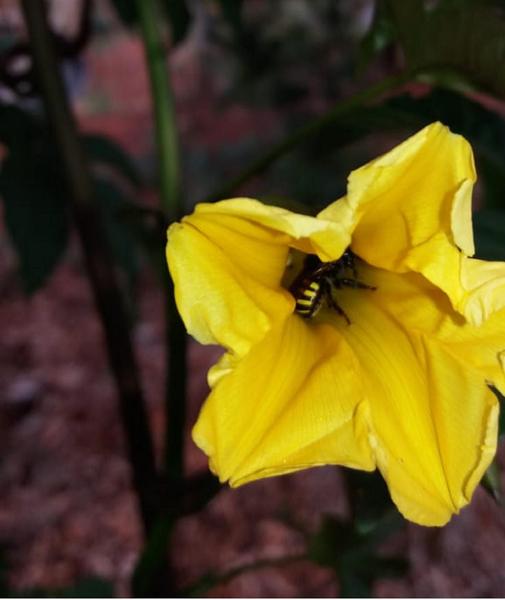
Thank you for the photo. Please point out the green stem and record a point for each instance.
(99, 263)
(308, 130)
(164, 109)
(171, 198)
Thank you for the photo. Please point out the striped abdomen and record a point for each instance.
(308, 298)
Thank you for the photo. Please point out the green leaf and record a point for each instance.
(103, 150)
(91, 587)
(232, 12)
(501, 417)
(179, 17)
(34, 197)
(126, 11)
(111, 202)
(176, 11)
(484, 129)
(468, 37)
(352, 552)
(491, 482)
(489, 234)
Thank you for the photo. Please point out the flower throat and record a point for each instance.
(317, 281)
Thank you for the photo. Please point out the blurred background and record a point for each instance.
(245, 74)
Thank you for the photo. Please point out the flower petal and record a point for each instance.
(227, 276)
(424, 310)
(227, 261)
(433, 417)
(326, 237)
(412, 210)
(294, 401)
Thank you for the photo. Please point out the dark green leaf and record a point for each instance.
(468, 37)
(351, 550)
(35, 210)
(111, 203)
(491, 482)
(105, 151)
(484, 129)
(232, 12)
(179, 17)
(126, 11)
(370, 498)
(489, 233)
(92, 587)
(501, 418)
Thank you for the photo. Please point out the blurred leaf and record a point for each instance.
(92, 587)
(176, 11)
(126, 11)
(148, 227)
(353, 554)
(484, 129)
(34, 197)
(105, 151)
(466, 36)
(179, 17)
(501, 417)
(489, 233)
(232, 12)
(491, 482)
(382, 34)
(370, 498)
(111, 202)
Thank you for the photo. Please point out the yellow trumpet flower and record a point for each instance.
(364, 337)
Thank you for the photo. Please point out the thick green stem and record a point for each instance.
(99, 262)
(171, 198)
(310, 129)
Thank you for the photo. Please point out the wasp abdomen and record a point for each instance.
(308, 298)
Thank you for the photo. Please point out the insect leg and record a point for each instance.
(328, 293)
(353, 283)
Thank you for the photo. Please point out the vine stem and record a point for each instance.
(308, 130)
(99, 263)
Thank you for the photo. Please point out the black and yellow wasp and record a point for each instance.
(317, 281)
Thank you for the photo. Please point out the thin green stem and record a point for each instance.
(171, 199)
(164, 109)
(308, 130)
(99, 263)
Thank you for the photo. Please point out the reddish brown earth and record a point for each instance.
(66, 506)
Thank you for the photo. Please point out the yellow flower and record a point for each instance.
(400, 380)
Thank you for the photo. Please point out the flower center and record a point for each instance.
(317, 281)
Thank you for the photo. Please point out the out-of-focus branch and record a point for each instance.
(98, 260)
(207, 582)
(308, 130)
